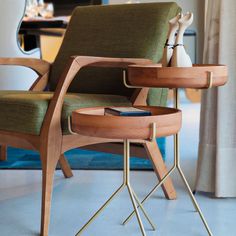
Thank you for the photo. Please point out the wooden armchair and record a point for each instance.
(39, 120)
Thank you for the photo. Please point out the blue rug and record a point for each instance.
(78, 159)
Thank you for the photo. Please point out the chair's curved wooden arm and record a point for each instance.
(78, 62)
(52, 119)
(37, 65)
(40, 67)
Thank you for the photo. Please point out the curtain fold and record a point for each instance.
(216, 170)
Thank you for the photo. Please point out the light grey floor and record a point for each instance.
(76, 199)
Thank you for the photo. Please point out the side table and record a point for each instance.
(197, 77)
(95, 123)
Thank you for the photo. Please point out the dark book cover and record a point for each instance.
(126, 111)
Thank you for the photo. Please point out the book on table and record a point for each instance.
(126, 111)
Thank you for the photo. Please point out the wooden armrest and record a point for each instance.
(78, 62)
(139, 95)
(41, 67)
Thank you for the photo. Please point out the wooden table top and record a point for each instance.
(94, 122)
(197, 77)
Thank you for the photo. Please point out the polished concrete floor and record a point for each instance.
(76, 199)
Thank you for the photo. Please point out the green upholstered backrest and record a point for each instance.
(128, 30)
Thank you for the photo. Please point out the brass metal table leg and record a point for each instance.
(177, 166)
(134, 199)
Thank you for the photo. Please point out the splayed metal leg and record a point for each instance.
(134, 199)
(175, 166)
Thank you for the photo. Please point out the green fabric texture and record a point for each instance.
(24, 111)
(128, 30)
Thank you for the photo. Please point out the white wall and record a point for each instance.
(14, 77)
(195, 6)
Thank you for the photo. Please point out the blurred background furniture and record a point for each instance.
(14, 77)
(47, 34)
(38, 32)
(42, 123)
(65, 7)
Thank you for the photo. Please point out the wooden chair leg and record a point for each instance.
(49, 163)
(160, 168)
(3, 153)
(65, 167)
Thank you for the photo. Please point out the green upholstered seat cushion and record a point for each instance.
(128, 30)
(24, 111)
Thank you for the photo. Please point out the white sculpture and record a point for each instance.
(180, 58)
(170, 42)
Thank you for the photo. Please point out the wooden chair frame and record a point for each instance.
(52, 144)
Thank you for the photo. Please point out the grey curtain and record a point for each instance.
(217, 148)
